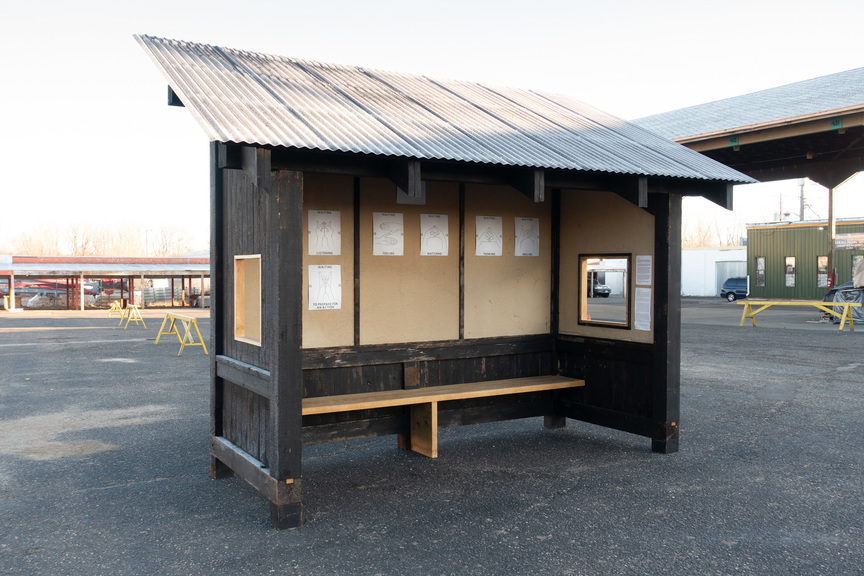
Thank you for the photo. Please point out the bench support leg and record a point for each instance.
(553, 421)
(424, 429)
(286, 515)
(218, 469)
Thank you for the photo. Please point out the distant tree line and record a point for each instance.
(92, 240)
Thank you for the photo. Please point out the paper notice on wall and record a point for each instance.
(325, 233)
(325, 287)
(642, 320)
(644, 276)
(527, 237)
(489, 236)
(434, 235)
(387, 234)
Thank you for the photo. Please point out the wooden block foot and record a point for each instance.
(286, 515)
(219, 471)
(553, 422)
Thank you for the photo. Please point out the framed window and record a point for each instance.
(821, 271)
(247, 299)
(604, 290)
(790, 271)
(760, 271)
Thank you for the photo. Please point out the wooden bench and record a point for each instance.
(188, 323)
(424, 402)
(845, 315)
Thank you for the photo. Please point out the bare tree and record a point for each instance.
(42, 242)
(83, 240)
(171, 241)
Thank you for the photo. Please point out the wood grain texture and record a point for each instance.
(370, 400)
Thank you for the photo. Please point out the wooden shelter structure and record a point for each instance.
(394, 253)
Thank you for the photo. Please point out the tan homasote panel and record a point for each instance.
(330, 327)
(408, 298)
(505, 295)
(600, 223)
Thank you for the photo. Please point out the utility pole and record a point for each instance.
(801, 187)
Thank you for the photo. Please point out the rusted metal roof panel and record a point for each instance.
(245, 97)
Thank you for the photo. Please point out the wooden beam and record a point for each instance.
(829, 174)
(532, 183)
(634, 189)
(666, 312)
(244, 375)
(284, 281)
(718, 192)
(228, 156)
(766, 132)
(405, 173)
(255, 162)
(173, 99)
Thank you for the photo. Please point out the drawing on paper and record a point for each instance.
(434, 235)
(325, 287)
(325, 233)
(489, 237)
(527, 237)
(387, 234)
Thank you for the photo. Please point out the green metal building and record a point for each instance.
(790, 259)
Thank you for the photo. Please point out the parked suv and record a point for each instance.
(734, 288)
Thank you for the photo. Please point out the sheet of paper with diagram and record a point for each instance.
(387, 234)
(325, 287)
(434, 235)
(489, 236)
(325, 233)
(527, 237)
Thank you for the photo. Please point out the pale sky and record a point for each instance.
(87, 135)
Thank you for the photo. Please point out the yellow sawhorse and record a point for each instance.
(115, 309)
(188, 323)
(845, 315)
(132, 314)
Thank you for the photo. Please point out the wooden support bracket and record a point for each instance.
(532, 183)
(405, 173)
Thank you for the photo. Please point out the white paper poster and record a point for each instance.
(527, 237)
(643, 270)
(325, 287)
(643, 309)
(489, 237)
(325, 233)
(387, 234)
(434, 235)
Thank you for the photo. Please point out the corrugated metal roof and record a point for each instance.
(824, 94)
(245, 97)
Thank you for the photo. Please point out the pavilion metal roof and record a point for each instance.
(246, 97)
(838, 93)
(103, 267)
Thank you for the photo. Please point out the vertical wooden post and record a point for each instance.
(81, 291)
(666, 376)
(217, 290)
(283, 293)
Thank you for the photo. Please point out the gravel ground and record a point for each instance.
(104, 469)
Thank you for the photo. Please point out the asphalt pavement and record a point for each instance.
(104, 468)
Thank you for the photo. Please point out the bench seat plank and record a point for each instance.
(388, 398)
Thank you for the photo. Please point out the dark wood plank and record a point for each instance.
(356, 261)
(250, 377)
(424, 351)
(666, 377)
(285, 328)
(217, 283)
